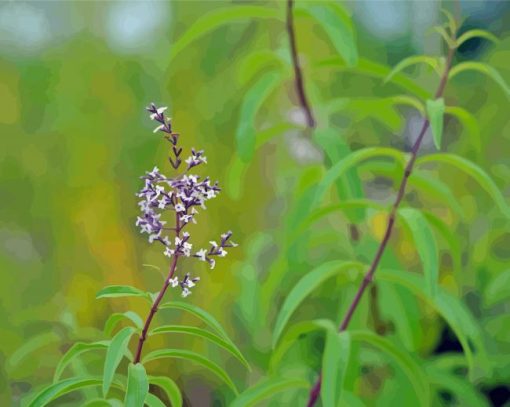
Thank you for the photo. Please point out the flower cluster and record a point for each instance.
(181, 197)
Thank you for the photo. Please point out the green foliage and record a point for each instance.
(137, 386)
(435, 112)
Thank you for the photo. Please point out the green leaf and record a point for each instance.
(104, 403)
(255, 63)
(413, 60)
(374, 69)
(334, 367)
(425, 244)
(498, 289)
(171, 389)
(114, 319)
(194, 357)
(452, 22)
(252, 102)
(476, 34)
(350, 161)
(435, 113)
(408, 101)
(30, 346)
(267, 389)
(74, 351)
(450, 308)
(337, 24)
(446, 37)
(121, 291)
(472, 170)
(201, 333)
(137, 386)
(305, 286)
(152, 401)
(116, 350)
(469, 122)
(199, 313)
(64, 387)
(215, 19)
(412, 370)
(482, 68)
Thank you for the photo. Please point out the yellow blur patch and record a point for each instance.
(378, 224)
(9, 107)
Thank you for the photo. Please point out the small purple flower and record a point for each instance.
(177, 199)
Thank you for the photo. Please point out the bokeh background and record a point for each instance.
(75, 79)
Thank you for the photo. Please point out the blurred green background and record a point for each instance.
(75, 79)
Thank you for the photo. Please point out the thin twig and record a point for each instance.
(298, 75)
(315, 391)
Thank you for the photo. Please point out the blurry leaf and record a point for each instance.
(255, 63)
(252, 102)
(267, 389)
(435, 113)
(425, 245)
(408, 101)
(114, 354)
(194, 357)
(74, 351)
(200, 314)
(30, 346)
(334, 366)
(471, 169)
(137, 386)
(498, 289)
(452, 22)
(450, 308)
(469, 122)
(217, 18)
(115, 318)
(483, 68)
(464, 392)
(168, 385)
(66, 386)
(476, 34)
(152, 401)
(374, 69)
(235, 177)
(350, 161)
(337, 24)
(349, 399)
(304, 287)
(446, 37)
(336, 149)
(411, 369)
(104, 403)
(121, 291)
(190, 330)
(413, 60)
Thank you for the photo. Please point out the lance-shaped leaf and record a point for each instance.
(252, 102)
(121, 291)
(335, 21)
(474, 171)
(116, 350)
(334, 366)
(305, 286)
(435, 113)
(202, 333)
(476, 34)
(64, 387)
(170, 388)
(137, 386)
(218, 18)
(425, 245)
(482, 68)
(74, 351)
(152, 401)
(114, 319)
(194, 357)
(413, 60)
(267, 389)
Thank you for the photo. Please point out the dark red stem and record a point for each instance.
(298, 75)
(315, 391)
(157, 301)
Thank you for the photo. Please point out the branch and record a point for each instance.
(298, 76)
(315, 391)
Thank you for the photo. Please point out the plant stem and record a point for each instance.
(298, 76)
(157, 301)
(315, 391)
